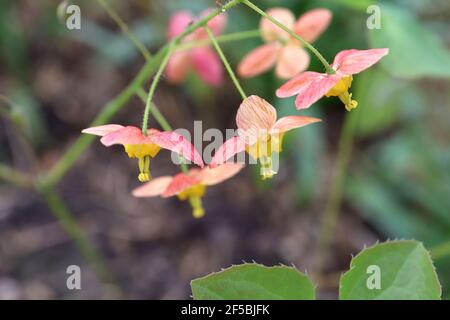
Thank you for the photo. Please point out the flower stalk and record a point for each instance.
(154, 84)
(225, 63)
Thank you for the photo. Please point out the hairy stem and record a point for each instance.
(153, 86)
(226, 63)
(327, 66)
(162, 122)
(236, 36)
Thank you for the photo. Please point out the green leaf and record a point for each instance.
(254, 282)
(405, 270)
(415, 51)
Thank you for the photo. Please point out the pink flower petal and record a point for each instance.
(292, 122)
(297, 84)
(208, 65)
(180, 183)
(178, 23)
(271, 32)
(315, 90)
(153, 188)
(227, 150)
(354, 61)
(313, 23)
(102, 130)
(177, 143)
(178, 66)
(212, 176)
(254, 116)
(292, 60)
(126, 135)
(259, 60)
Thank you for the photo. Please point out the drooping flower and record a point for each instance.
(203, 60)
(189, 186)
(311, 86)
(259, 133)
(140, 146)
(280, 48)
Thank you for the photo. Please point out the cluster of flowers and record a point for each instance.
(259, 132)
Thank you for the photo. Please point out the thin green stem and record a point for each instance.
(327, 66)
(162, 122)
(125, 29)
(172, 46)
(15, 177)
(225, 63)
(153, 86)
(71, 227)
(334, 200)
(236, 36)
(207, 18)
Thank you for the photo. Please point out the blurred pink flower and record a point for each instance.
(188, 186)
(140, 146)
(203, 60)
(259, 133)
(281, 49)
(311, 86)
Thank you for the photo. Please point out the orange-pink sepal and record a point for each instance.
(311, 86)
(255, 119)
(117, 134)
(168, 186)
(227, 150)
(177, 143)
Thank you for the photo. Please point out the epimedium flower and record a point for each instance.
(203, 60)
(189, 186)
(143, 147)
(280, 48)
(311, 86)
(259, 133)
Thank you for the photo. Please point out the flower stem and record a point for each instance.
(327, 66)
(206, 19)
(125, 29)
(334, 200)
(225, 63)
(162, 121)
(235, 36)
(154, 84)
